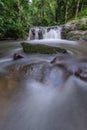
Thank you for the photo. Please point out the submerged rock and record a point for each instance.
(71, 66)
(55, 72)
(43, 72)
(17, 56)
(60, 59)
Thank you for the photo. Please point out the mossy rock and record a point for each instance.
(77, 35)
(79, 26)
(82, 26)
(40, 48)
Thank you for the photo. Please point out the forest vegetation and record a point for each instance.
(17, 16)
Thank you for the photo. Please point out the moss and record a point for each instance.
(38, 48)
(73, 36)
(82, 26)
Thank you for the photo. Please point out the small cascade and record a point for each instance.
(53, 32)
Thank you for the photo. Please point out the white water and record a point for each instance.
(45, 32)
(52, 33)
(36, 32)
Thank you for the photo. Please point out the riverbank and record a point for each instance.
(75, 30)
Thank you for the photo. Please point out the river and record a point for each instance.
(41, 98)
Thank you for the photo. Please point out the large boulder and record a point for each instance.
(75, 30)
(40, 48)
(77, 35)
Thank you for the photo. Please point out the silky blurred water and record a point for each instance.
(42, 97)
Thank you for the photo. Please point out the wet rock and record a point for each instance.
(82, 24)
(40, 34)
(82, 73)
(57, 59)
(77, 35)
(61, 62)
(37, 71)
(75, 30)
(17, 56)
(41, 48)
(60, 58)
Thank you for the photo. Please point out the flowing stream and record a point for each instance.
(36, 94)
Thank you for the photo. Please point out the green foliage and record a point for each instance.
(15, 29)
(13, 18)
(16, 16)
(83, 26)
(83, 13)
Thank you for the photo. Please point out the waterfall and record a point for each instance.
(53, 32)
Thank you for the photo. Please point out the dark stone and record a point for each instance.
(40, 34)
(1, 54)
(17, 56)
(82, 73)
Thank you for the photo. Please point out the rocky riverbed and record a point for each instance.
(42, 91)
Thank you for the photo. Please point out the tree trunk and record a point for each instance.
(66, 13)
(56, 14)
(19, 10)
(82, 4)
(77, 8)
(57, 11)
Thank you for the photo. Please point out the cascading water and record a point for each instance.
(36, 33)
(52, 33)
(45, 33)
